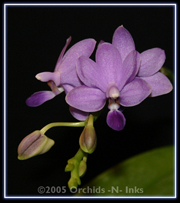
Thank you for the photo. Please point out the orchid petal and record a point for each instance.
(68, 65)
(78, 114)
(159, 83)
(62, 53)
(39, 98)
(101, 41)
(67, 88)
(116, 120)
(86, 99)
(47, 76)
(151, 61)
(123, 41)
(109, 62)
(130, 68)
(134, 92)
(82, 48)
(70, 78)
(89, 73)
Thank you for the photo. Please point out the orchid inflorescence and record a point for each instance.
(120, 75)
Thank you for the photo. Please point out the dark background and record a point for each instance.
(35, 37)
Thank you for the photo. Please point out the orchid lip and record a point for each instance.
(113, 104)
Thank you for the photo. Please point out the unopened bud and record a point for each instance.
(82, 168)
(74, 182)
(88, 140)
(34, 144)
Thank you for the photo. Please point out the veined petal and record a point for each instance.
(90, 74)
(123, 40)
(67, 88)
(116, 120)
(130, 68)
(39, 98)
(151, 61)
(159, 83)
(70, 78)
(78, 114)
(82, 48)
(86, 99)
(62, 53)
(134, 92)
(109, 62)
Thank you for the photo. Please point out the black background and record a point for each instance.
(35, 37)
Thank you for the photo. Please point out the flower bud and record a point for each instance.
(74, 182)
(82, 168)
(70, 165)
(88, 140)
(34, 144)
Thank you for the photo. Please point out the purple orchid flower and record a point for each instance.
(111, 77)
(64, 77)
(151, 62)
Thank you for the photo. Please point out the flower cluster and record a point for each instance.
(119, 75)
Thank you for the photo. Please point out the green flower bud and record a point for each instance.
(74, 182)
(69, 167)
(34, 144)
(88, 140)
(82, 168)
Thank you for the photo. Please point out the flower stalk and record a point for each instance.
(62, 124)
(38, 143)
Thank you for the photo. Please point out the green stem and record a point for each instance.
(60, 124)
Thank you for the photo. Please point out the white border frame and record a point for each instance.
(5, 107)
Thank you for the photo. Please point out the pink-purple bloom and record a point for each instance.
(120, 75)
(109, 78)
(64, 77)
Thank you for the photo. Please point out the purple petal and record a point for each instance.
(68, 65)
(47, 76)
(109, 62)
(134, 92)
(70, 78)
(123, 40)
(82, 48)
(159, 83)
(78, 114)
(130, 68)
(116, 120)
(151, 61)
(62, 53)
(101, 41)
(90, 74)
(39, 98)
(86, 99)
(67, 88)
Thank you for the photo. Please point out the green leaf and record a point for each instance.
(167, 72)
(147, 174)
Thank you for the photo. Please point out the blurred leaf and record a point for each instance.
(167, 72)
(148, 174)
